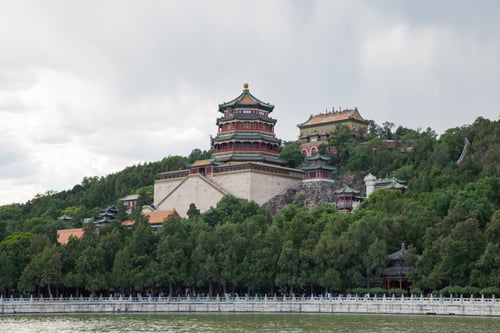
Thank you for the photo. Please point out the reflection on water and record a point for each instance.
(245, 323)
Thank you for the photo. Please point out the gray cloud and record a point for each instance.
(89, 87)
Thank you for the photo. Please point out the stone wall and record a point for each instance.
(255, 185)
(205, 192)
(179, 194)
(413, 305)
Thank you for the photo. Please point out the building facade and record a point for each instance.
(318, 128)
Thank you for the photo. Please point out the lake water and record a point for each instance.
(244, 323)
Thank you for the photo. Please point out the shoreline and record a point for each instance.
(485, 307)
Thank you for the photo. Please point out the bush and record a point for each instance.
(416, 291)
(490, 291)
(451, 291)
(377, 291)
(469, 290)
(398, 291)
(358, 291)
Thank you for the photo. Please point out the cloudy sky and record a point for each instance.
(90, 87)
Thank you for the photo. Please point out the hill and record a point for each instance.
(449, 214)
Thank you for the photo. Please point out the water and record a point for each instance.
(244, 323)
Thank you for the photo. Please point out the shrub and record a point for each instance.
(358, 291)
(377, 291)
(415, 291)
(490, 291)
(469, 290)
(398, 291)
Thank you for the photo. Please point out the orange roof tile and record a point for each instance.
(333, 117)
(156, 217)
(64, 235)
(160, 216)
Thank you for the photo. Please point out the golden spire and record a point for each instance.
(245, 86)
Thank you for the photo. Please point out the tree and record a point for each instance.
(38, 274)
(193, 211)
(171, 253)
(290, 152)
(375, 260)
(91, 269)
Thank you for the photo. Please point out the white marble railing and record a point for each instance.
(230, 299)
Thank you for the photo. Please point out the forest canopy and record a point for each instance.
(450, 215)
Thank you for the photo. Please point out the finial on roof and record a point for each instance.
(245, 86)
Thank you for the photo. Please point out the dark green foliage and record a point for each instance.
(290, 152)
(449, 214)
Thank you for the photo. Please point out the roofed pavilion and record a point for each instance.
(346, 199)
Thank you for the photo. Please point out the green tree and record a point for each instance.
(38, 274)
(290, 152)
(171, 252)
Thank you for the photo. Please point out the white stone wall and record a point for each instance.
(255, 185)
(438, 306)
(205, 192)
(180, 194)
(164, 187)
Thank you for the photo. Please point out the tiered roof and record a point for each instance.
(391, 183)
(246, 99)
(346, 190)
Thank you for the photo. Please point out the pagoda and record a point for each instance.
(245, 162)
(246, 132)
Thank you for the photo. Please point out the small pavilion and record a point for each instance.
(396, 276)
(346, 199)
(316, 167)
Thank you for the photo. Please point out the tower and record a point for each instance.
(246, 132)
(370, 184)
(245, 162)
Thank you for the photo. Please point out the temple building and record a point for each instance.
(347, 199)
(318, 128)
(245, 162)
(155, 218)
(372, 184)
(396, 276)
(316, 168)
(246, 132)
(130, 202)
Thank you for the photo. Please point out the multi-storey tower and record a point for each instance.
(246, 132)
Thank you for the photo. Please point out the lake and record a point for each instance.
(244, 323)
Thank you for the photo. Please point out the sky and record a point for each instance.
(88, 88)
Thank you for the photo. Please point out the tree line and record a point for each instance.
(449, 214)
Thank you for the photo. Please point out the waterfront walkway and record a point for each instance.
(464, 306)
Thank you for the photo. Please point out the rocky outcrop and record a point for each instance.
(309, 194)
